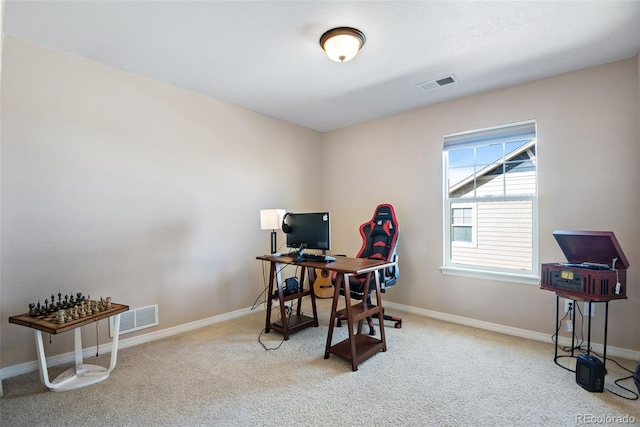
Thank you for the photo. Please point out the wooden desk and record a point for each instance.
(81, 374)
(358, 346)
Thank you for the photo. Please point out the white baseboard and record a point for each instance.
(68, 358)
(508, 330)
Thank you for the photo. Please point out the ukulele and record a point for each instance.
(322, 286)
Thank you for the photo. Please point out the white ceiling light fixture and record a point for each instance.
(342, 44)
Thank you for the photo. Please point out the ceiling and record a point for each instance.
(265, 55)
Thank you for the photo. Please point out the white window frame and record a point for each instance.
(471, 139)
(474, 229)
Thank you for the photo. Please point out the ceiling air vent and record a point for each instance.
(433, 84)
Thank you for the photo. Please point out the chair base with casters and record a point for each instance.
(379, 241)
(397, 320)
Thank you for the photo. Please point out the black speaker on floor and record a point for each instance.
(590, 373)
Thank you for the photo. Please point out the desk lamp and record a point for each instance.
(271, 219)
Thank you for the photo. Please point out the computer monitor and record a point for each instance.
(308, 230)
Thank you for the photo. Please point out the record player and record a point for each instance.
(596, 267)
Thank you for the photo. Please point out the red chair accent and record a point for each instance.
(379, 241)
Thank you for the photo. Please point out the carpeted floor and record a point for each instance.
(434, 374)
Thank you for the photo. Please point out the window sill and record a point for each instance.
(491, 275)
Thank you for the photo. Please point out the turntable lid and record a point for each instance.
(591, 246)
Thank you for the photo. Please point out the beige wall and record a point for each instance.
(588, 154)
(117, 185)
(1, 50)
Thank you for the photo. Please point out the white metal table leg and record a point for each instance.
(81, 374)
(42, 360)
(114, 342)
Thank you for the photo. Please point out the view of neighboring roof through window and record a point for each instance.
(491, 176)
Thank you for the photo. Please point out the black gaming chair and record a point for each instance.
(379, 241)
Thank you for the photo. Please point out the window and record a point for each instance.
(463, 230)
(490, 203)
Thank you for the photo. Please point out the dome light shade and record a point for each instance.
(342, 44)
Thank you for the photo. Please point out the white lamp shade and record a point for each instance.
(271, 219)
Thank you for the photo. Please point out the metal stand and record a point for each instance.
(606, 325)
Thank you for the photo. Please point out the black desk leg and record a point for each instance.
(589, 331)
(555, 356)
(573, 328)
(606, 325)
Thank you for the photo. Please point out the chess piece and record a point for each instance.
(60, 317)
(83, 312)
(32, 310)
(108, 302)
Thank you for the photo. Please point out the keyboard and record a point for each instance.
(317, 257)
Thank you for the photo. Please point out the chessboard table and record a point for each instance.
(81, 374)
